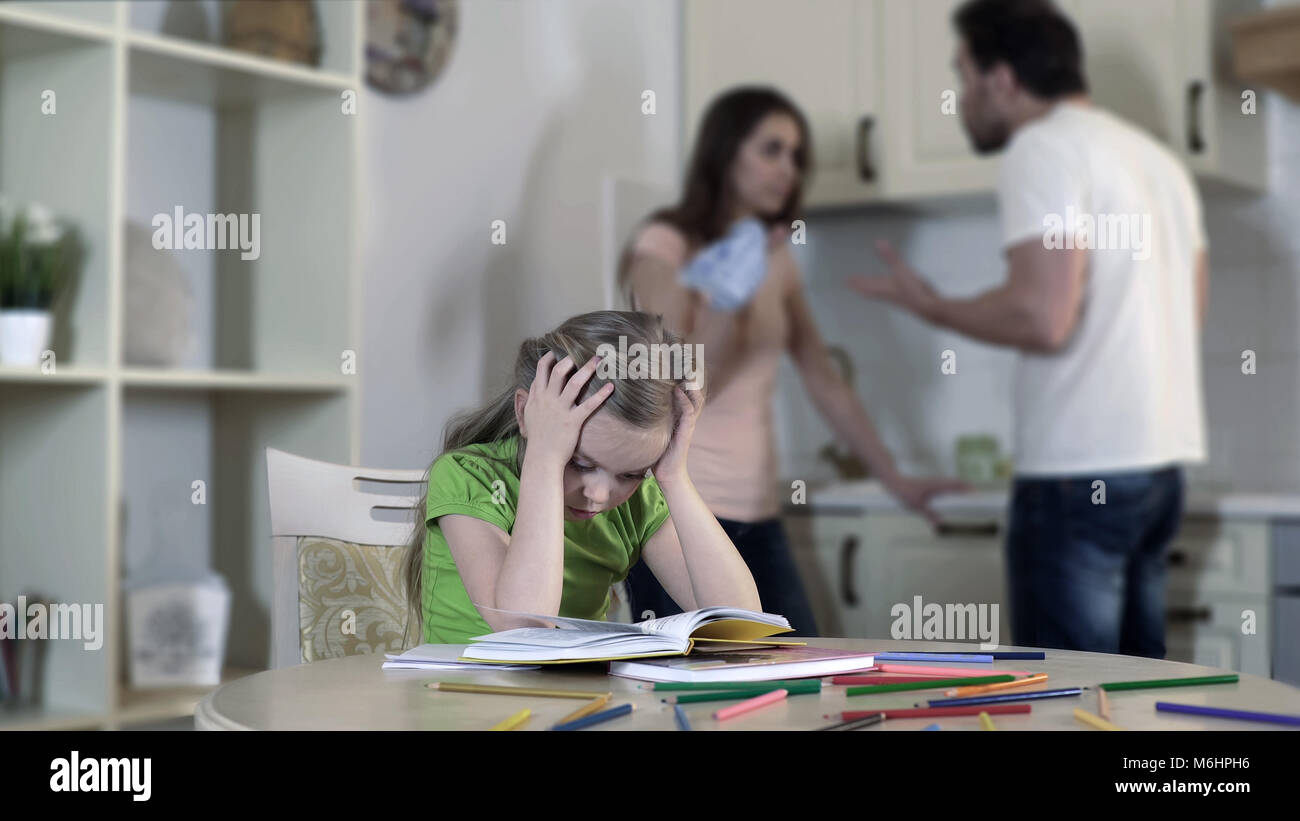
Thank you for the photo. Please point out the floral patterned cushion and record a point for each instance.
(351, 599)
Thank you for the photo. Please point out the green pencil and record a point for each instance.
(728, 685)
(726, 695)
(871, 689)
(1229, 678)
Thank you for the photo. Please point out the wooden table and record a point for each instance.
(354, 693)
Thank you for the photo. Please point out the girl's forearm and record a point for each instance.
(719, 575)
(532, 576)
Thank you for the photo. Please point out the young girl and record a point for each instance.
(541, 501)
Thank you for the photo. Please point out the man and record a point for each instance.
(1108, 398)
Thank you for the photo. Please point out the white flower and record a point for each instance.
(42, 226)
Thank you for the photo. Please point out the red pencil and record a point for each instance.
(926, 712)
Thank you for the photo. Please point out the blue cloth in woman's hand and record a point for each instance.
(731, 269)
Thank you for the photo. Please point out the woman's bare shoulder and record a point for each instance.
(661, 240)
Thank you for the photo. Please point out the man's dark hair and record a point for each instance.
(1038, 42)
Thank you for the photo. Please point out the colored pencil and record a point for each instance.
(923, 670)
(887, 678)
(1222, 712)
(596, 718)
(968, 658)
(856, 723)
(514, 721)
(1103, 704)
(986, 723)
(980, 689)
(802, 688)
(1002, 698)
(934, 727)
(1229, 678)
(680, 715)
(586, 710)
(935, 712)
(1094, 721)
(722, 685)
(507, 690)
(934, 684)
(752, 704)
(996, 654)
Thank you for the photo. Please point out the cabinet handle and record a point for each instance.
(1188, 614)
(968, 529)
(1195, 92)
(865, 169)
(847, 549)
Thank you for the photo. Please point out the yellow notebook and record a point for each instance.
(581, 640)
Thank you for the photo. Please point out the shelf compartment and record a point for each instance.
(53, 521)
(148, 22)
(173, 437)
(62, 160)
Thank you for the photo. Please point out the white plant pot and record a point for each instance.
(24, 336)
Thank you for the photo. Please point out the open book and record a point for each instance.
(585, 640)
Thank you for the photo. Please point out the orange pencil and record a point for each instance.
(977, 689)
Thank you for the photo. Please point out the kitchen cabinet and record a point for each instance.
(858, 561)
(872, 77)
(821, 53)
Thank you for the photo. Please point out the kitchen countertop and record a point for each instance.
(867, 495)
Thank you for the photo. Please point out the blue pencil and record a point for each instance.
(997, 654)
(974, 658)
(1001, 697)
(682, 723)
(933, 727)
(1220, 712)
(595, 718)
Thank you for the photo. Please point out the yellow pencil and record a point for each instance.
(979, 689)
(986, 722)
(1094, 721)
(596, 704)
(1103, 704)
(504, 690)
(514, 721)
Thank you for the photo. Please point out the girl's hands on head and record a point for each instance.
(671, 466)
(551, 419)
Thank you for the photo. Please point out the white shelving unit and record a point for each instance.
(97, 458)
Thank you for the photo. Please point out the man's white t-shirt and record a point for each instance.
(1125, 391)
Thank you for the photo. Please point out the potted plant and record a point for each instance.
(40, 258)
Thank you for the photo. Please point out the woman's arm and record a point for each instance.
(658, 289)
(840, 406)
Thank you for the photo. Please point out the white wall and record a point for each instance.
(536, 103)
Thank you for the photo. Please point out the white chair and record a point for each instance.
(321, 499)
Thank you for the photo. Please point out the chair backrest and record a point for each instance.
(309, 497)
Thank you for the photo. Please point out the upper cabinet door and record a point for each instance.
(1164, 65)
(925, 149)
(818, 52)
(1132, 58)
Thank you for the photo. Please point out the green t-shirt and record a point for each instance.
(597, 552)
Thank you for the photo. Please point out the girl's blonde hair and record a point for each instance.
(640, 402)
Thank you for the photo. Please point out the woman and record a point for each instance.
(694, 264)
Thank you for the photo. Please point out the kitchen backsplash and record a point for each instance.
(1253, 419)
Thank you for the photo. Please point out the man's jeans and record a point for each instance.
(1091, 576)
